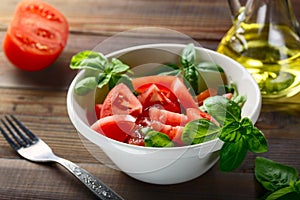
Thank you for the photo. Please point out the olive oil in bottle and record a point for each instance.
(272, 56)
(265, 39)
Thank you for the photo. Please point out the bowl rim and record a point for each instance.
(215, 142)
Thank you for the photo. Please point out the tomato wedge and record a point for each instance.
(167, 117)
(174, 132)
(36, 36)
(121, 101)
(98, 108)
(173, 83)
(194, 114)
(156, 94)
(117, 127)
(205, 94)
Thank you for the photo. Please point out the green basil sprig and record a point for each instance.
(238, 134)
(280, 180)
(99, 71)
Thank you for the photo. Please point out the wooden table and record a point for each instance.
(39, 100)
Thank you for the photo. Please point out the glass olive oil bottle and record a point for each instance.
(267, 45)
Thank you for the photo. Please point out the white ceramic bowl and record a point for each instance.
(162, 165)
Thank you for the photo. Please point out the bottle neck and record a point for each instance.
(276, 12)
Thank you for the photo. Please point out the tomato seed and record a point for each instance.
(44, 33)
(42, 11)
(41, 47)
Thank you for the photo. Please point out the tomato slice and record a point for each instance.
(98, 108)
(162, 80)
(117, 127)
(173, 83)
(167, 117)
(36, 35)
(156, 94)
(174, 132)
(194, 114)
(121, 101)
(205, 94)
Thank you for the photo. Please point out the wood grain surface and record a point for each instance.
(39, 100)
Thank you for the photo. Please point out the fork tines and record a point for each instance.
(16, 134)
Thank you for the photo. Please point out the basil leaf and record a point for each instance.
(191, 76)
(118, 66)
(239, 99)
(272, 175)
(88, 60)
(222, 109)
(231, 132)
(85, 85)
(257, 142)
(114, 80)
(101, 76)
(282, 194)
(188, 56)
(198, 131)
(296, 186)
(104, 81)
(157, 139)
(209, 66)
(232, 155)
(97, 65)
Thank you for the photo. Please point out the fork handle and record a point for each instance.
(94, 184)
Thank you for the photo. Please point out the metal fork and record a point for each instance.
(34, 149)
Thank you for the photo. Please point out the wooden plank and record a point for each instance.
(50, 181)
(109, 17)
(45, 181)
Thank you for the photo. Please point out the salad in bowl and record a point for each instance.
(157, 109)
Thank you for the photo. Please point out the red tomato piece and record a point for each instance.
(152, 94)
(167, 117)
(205, 94)
(36, 35)
(173, 83)
(174, 132)
(165, 81)
(228, 95)
(98, 108)
(194, 114)
(121, 101)
(182, 93)
(117, 127)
